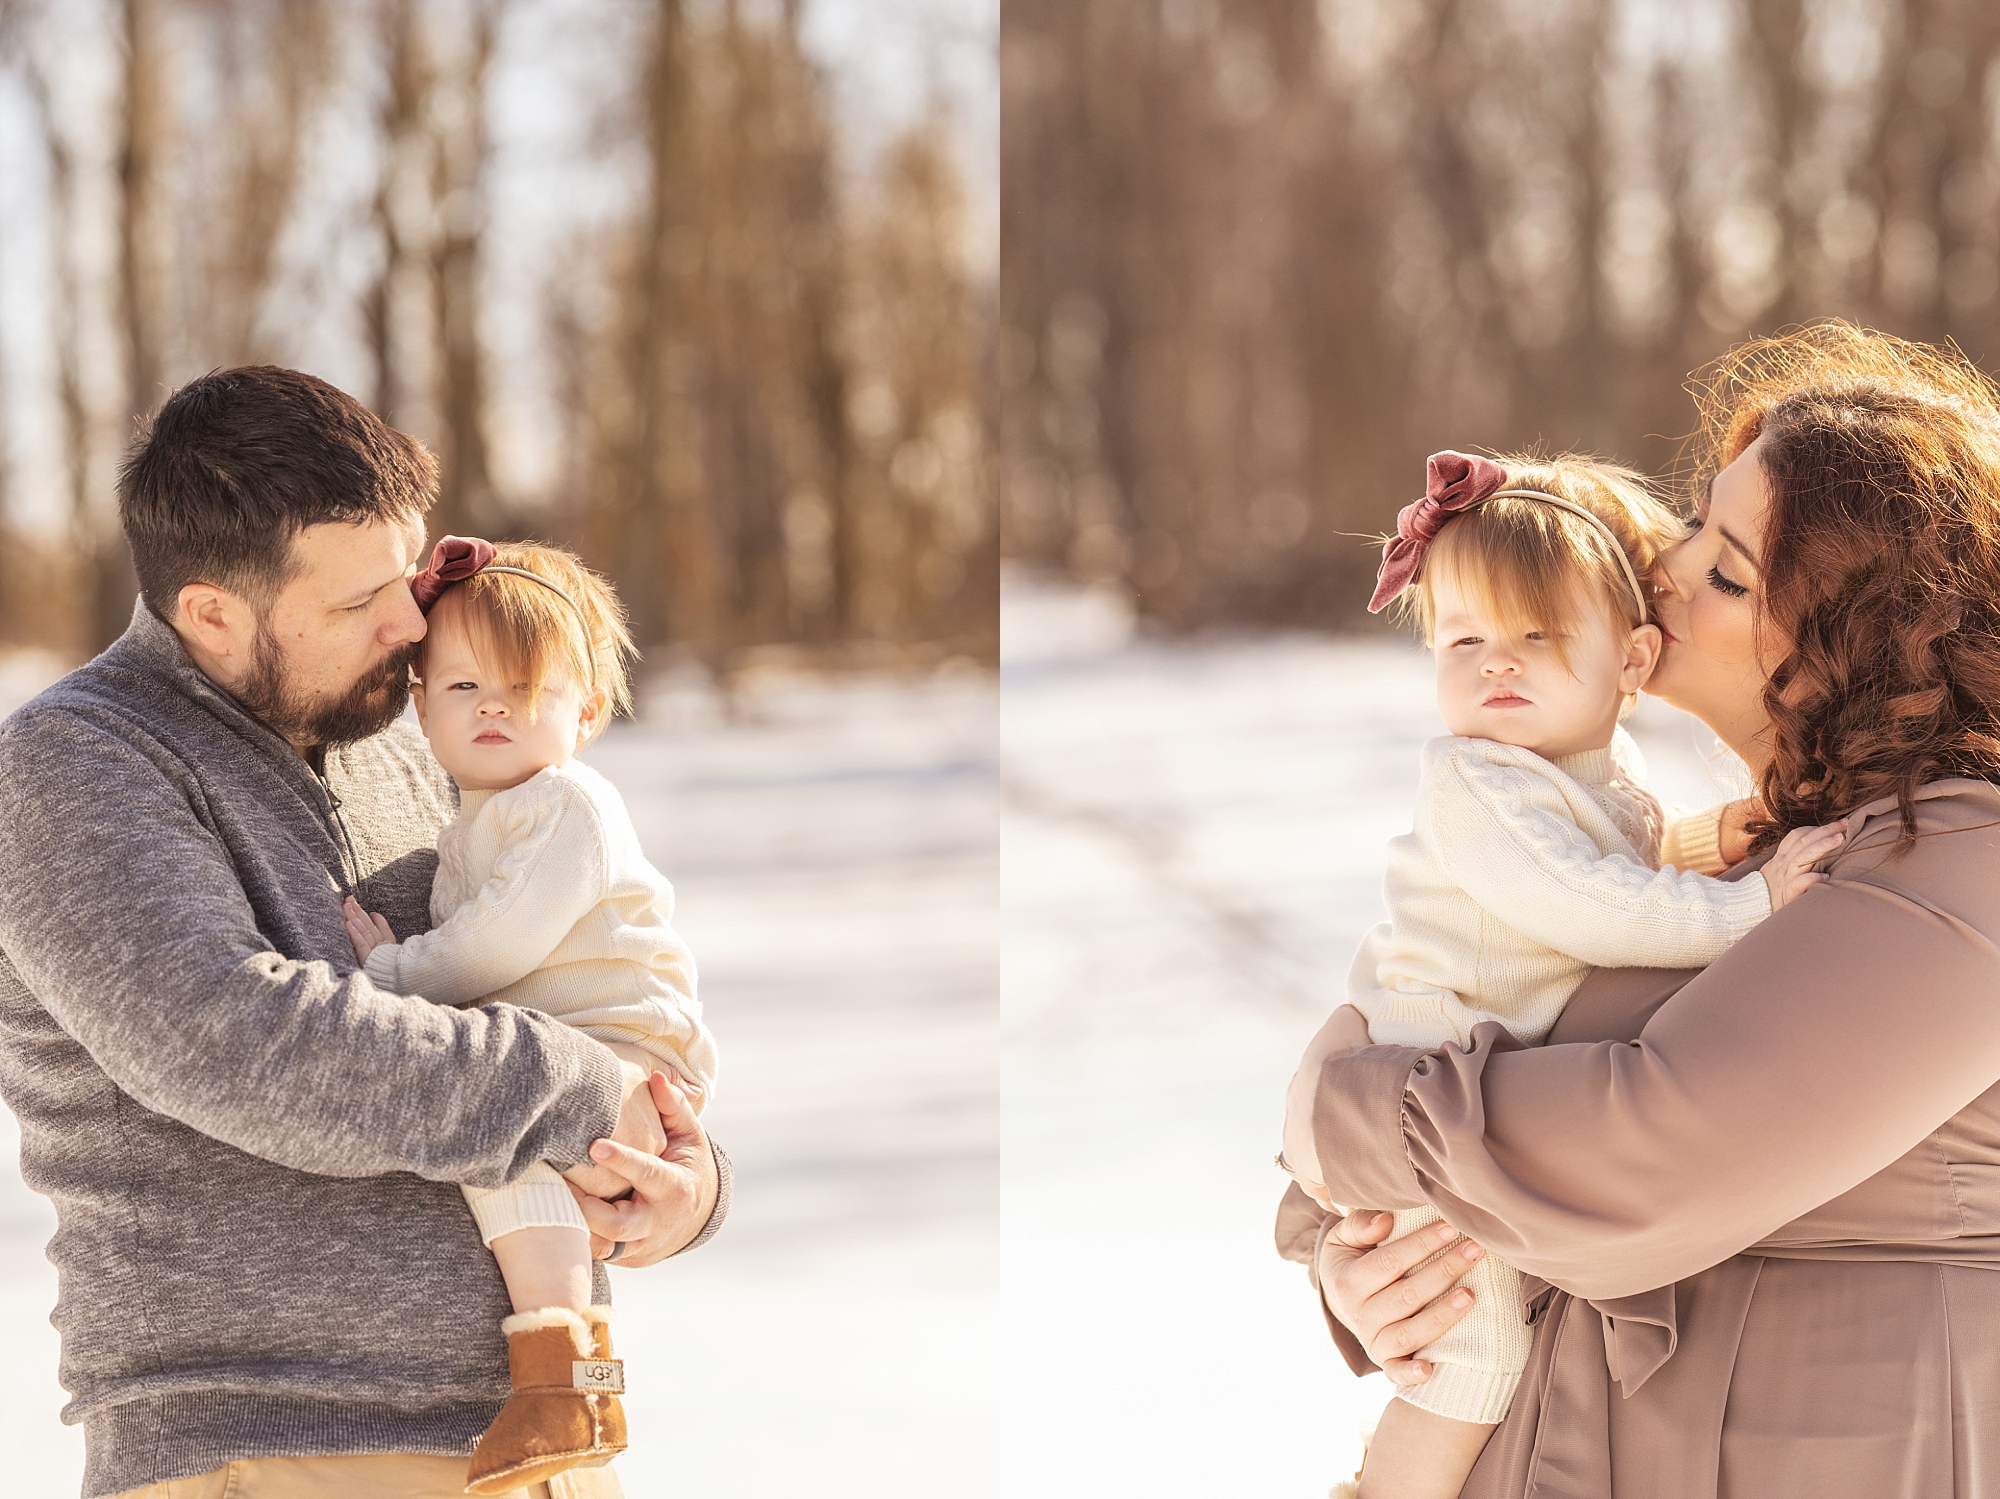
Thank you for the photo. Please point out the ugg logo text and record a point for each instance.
(606, 1375)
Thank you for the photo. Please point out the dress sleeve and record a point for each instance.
(552, 869)
(1506, 837)
(1812, 1055)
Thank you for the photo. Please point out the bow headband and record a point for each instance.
(1456, 482)
(456, 558)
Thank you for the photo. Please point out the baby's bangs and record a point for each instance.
(1521, 568)
(524, 631)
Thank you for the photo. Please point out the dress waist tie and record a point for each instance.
(1579, 1423)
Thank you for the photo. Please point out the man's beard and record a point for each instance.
(368, 707)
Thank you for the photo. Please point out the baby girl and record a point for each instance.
(542, 899)
(1536, 853)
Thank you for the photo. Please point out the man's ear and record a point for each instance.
(1642, 654)
(216, 620)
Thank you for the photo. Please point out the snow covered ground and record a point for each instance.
(833, 848)
(1191, 847)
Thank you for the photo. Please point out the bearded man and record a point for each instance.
(270, 1283)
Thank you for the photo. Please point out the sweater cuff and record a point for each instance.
(1462, 1394)
(721, 1208)
(1693, 844)
(1358, 1127)
(381, 966)
(1748, 909)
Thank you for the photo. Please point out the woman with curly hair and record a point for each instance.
(1756, 1206)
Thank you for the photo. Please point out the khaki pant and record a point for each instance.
(393, 1475)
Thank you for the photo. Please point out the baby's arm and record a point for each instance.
(551, 871)
(1506, 836)
(1418, 1454)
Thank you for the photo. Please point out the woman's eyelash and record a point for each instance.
(1729, 586)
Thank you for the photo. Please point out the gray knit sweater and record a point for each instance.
(253, 1152)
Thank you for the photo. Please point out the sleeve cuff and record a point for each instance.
(1693, 844)
(381, 966)
(1358, 1127)
(721, 1209)
(1477, 1395)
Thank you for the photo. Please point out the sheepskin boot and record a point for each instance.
(564, 1412)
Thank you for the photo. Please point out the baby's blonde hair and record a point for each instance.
(526, 631)
(1531, 565)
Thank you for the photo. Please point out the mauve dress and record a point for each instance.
(1758, 1206)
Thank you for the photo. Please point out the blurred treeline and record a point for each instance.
(766, 407)
(1261, 256)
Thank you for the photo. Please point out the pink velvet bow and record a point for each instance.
(453, 560)
(1453, 482)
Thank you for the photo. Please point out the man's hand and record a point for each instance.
(672, 1191)
(365, 929)
(638, 1125)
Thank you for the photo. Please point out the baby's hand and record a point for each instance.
(1790, 870)
(368, 931)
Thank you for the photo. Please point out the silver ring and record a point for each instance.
(617, 1248)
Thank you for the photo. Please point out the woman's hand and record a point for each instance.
(672, 1193)
(1386, 1296)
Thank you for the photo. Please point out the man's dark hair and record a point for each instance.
(238, 462)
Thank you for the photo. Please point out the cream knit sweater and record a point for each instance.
(1520, 876)
(544, 900)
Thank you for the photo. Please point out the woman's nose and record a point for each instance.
(1667, 572)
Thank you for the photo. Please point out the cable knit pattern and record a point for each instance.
(543, 899)
(1520, 875)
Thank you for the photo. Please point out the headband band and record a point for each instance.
(1617, 546)
(456, 558)
(1454, 483)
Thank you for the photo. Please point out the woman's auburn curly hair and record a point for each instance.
(1881, 563)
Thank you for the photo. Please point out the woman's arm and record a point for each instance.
(1809, 1057)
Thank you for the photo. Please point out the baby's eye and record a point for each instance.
(463, 687)
(1469, 640)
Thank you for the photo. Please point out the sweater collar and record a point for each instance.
(469, 802)
(1591, 767)
(151, 644)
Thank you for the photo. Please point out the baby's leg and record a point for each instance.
(1418, 1454)
(564, 1410)
(545, 1267)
